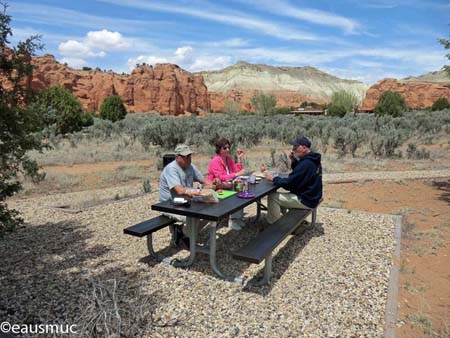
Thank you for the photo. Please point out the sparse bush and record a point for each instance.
(417, 154)
(344, 100)
(117, 309)
(231, 106)
(440, 104)
(390, 103)
(336, 110)
(113, 109)
(60, 109)
(146, 186)
(264, 104)
(342, 140)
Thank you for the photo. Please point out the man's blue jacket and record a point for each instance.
(305, 180)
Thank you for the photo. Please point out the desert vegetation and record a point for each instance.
(363, 135)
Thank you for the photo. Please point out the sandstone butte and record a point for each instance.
(417, 94)
(286, 99)
(165, 88)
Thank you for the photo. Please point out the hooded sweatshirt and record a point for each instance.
(305, 180)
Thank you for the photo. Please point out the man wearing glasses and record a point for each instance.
(177, 180)
(302, 189)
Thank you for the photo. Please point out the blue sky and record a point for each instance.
(365, 40)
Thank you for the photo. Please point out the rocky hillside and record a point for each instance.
(438, 76)
(306, 83)
(165, 88)
(417, 94)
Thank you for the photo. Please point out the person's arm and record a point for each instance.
(175, 184)
(216, 169)
(297, 179)
(236, 168)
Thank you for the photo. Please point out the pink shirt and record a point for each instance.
(217, 169)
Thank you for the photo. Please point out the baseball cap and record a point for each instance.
(183, 150)
(301, 141)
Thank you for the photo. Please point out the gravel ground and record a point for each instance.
(332, 281)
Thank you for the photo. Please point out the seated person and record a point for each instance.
(223, 167)
(302, 189)
(177, 180)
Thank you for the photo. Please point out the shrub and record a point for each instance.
(59, 109)
(336, 110)
(113, 109)
(440, 104)
(390, 103)
(146, 186)
(417, 154)
(342, 140)
(231, 106)
(264, 104)
(344, 99)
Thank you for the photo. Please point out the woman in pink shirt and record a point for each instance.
(223, 167)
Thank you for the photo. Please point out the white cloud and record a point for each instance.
(94, 44)
(230, 43)
(187, 58)
(309, 15)
(60, 17)
(233, 18)
(74, 62)
(184, 55)
(106, 40)
(74, 49)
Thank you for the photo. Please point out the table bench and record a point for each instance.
(261, 247)
(147, 228)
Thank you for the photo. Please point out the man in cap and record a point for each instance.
(177, 180)
(302, 189)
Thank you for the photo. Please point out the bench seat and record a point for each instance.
(147, 227)
(266, 241)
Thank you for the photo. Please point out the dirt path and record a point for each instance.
(424, 286)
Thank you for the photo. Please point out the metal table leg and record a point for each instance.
(193, 222)
(212, 256)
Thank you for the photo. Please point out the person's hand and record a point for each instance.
(240, 154)
(292, 157)
(269, 176)
(240, 172)
(209, 185)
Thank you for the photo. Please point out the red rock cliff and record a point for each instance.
(416, 94)
(165, 88)
(284, 99)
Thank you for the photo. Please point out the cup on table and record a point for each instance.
(252, 179)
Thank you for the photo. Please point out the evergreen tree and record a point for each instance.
(440, 104)
(390, 103)
(113, 109)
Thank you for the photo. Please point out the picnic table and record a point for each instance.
(213, 212)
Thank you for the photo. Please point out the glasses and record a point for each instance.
(186, 156)
(226, 147)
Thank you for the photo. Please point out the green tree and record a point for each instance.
(344, 99)
(231, 106)
(446, 44)
(390, 103)
(440, 104)
(113, 109)
(60, 110)
(264, 104)
(18, 124)
(336, 110)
